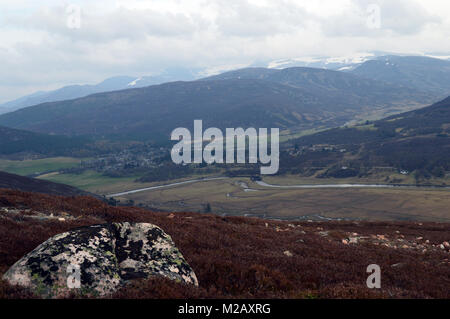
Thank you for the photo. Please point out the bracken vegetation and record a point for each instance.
(238, 257)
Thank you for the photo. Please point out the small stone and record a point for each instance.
(61, 219)
(345, 241)
(267, 225)
(446, 244)
(171, 216)
(353, 240)
(441, 246)
(419, 238)
(288, 253)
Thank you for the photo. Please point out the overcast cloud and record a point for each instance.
(41, 49)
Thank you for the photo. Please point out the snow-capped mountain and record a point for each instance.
(343, 63)
(110, 84)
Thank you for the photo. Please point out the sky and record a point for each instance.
(47, 44)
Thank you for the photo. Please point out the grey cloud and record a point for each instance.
(141, 42)
(400, 17)
(405, 17)
(122, 23)
(243, 19)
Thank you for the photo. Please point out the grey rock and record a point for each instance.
(107, 257)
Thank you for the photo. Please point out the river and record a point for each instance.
(264, 184)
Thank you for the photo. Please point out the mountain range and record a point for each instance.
(339, 87)
(110, 84)
(401, 70)
(423, 73)
(295, 97)
(338, 63)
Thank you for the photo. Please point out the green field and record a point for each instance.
(289, 134)
(91, 181)
(39, 166)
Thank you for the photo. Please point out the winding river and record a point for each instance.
(264, 184)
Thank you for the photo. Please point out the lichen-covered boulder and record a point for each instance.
(96, 260)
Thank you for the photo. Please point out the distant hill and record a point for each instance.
(423, 73)
(419, 72)
(297, 97)
(342, 89)
(26, 184)
(434, 119)
(416, 140)
(14, 141)
(77, 91)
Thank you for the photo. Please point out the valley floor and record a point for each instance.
(244, 197)
(241, 196)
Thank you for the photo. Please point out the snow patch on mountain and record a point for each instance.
(333, 63)
(133, 83)
(220, 69)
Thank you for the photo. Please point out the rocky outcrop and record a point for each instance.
(96, 260)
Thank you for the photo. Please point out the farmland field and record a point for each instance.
(90, 181)
(38, 166)
(230, 197)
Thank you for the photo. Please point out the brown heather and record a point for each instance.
(237, 257)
